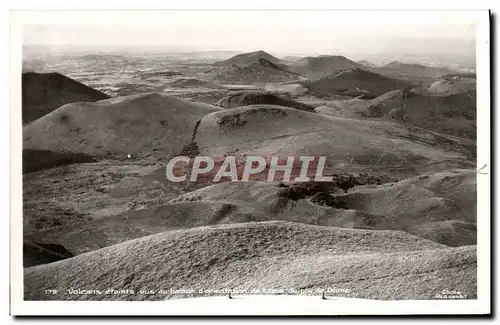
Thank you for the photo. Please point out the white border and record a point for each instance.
(282, 305)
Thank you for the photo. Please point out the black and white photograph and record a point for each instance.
(250, 161)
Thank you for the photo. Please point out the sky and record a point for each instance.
(290, 32)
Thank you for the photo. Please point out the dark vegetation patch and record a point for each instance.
(299, 191)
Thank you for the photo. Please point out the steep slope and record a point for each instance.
(137, 125)
(453, 114)
(260, 71)
(245, 98)
(279, 255)
(249, 58)
(320, 66)
(354, 82)
(44, 92)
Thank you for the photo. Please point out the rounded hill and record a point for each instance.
(136, 125)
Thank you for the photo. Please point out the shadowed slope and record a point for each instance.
(44, 92)
(320, 66)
